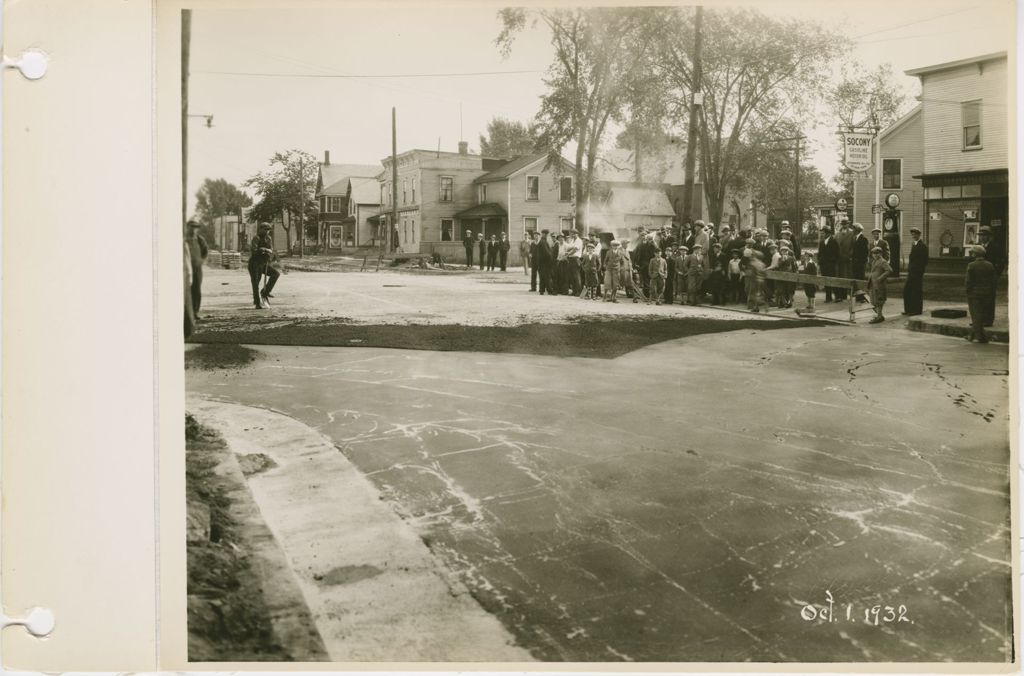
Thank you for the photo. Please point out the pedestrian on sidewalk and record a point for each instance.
(879, 272)
(591, 264)
(545, 261)
(531, 258)
(492, 253)
(573, 256)
(467, 244)
(980, 285)
(503, 248)
(808, 267)
(828, 259)
(197, 253)
(679, 288)
(657, 271)
(524, 252)
(481, 245)
(262, 261)
(917, 261)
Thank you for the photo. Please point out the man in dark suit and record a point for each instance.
(481, 245)
(995, 248)
(844, 264)
(467, 244)
(532, 259)
(917, 261)
(980, 285)
(828, 258)
(859, 257)
(545, 260)
(503, 247)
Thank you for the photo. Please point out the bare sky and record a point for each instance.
(257, 114)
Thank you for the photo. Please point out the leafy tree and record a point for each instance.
(596, 51)
(864, 97)
(758, 73)
(288, 187)
(509, 139)
(645, 116)
(216, 197)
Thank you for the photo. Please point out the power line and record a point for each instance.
(914, 23)
(346, 76)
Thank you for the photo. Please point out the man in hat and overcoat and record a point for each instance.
(917, 261)
(262, 261)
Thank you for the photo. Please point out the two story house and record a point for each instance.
(902, 153)
(359, 227)
(965, 178)
(332, 196)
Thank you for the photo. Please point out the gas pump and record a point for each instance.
(891, 231)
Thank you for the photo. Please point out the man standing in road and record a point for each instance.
(828, 259)
(503, 247)
(980, 285)
(262, 261)
(859, 258)
(467, 244)
(197, 250)
(531, 258)
(545, 260)
(917, 261)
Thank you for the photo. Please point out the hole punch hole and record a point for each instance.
(32, 63)
(39, 622)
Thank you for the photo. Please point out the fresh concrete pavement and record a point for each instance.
(684, 501)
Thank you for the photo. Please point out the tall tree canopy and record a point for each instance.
(509, 138)
(288, 187)
(217, 197)
(597, 50)
(759, 71)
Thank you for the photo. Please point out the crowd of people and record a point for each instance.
(697, 264)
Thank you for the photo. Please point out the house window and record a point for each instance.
(405, 185)
(481, 193)
(335, 205)
(447, 187)
(565, 224)
(323, 205)
(412, 229)
(533, 188)
(529, 224)
(970, 112)
(405, 230)
(447, 229)
(892, 174)
(565, 189)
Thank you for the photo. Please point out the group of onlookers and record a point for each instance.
(494, 250)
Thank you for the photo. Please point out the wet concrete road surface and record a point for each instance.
(687, 501)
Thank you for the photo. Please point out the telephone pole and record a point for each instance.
(302, 208)
(797, 220)
(394, 181)
(696, 100)
(186, 39)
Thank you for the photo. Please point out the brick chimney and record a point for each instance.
(327, 157)
(463, 148)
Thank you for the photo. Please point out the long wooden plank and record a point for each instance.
(818, 280)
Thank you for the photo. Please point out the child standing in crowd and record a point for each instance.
(679, 288)
(784, 290)
(591, 264)
(880, 271)
(657, 270)
(808, 267)
(755, 276)
(694, 268)
(734, 279)
(614, 261)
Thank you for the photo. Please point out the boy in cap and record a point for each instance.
(657, 270)
(614, 261)
(980, 285)
(693, 266)
(808, 267)
(679, 288)
(734, 277)
(590, 263)
(784, 290)
(879, 272)
(716, 278)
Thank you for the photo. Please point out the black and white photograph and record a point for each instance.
(598, 334)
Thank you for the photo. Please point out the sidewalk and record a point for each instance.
(374, 590)
(999, 332)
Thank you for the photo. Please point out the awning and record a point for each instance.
(489, 210)
(963, 177)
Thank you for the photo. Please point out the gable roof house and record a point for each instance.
(332, 184)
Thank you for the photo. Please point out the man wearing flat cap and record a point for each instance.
(917, 261)
(879, 241)
(262, 261)
(467, 244)
(197, 250)
(980, 285)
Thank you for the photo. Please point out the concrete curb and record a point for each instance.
(375, 591)
(955, 330)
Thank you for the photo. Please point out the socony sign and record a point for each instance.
(857, 151)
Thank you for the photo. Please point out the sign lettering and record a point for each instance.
(857, 151)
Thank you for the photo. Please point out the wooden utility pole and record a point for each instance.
(394, 182)
(696, 100)
(797, 220)
(186, 40)
(302, 207)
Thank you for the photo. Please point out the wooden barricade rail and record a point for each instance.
(821, 282)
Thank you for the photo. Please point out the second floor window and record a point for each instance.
(414, 191)
(565, 189)
(481, 193)
(334, 205)
(971, 114)
(892, 174)
(447, 188)
(405, 197)
(533, 187)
